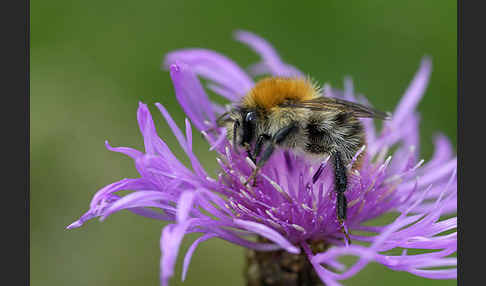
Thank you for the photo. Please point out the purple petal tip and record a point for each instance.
(175, 68)
(240, 33)
(426, 64)
(75, 224)
(160, 106)
(427, 59)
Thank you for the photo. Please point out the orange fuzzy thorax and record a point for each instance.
(270, 92)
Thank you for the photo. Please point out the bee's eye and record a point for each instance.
(251, 117)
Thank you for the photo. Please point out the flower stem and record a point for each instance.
(281, 268)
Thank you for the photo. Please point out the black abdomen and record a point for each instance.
(327, 133)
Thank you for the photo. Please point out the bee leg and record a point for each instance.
(262, 139)
(248, 152)
(318, 173)
(265, 156)
(340, 182)
(221, 119)
(258, 147)
(250, 155)
(235, 130)
(220, 122)
(259, 144)
(278, 138)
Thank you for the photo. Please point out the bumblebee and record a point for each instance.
(292, 113)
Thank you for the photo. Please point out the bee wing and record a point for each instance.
(327, 103)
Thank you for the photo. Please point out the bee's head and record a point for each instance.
(242, 127)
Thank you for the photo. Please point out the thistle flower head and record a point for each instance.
(293, 205)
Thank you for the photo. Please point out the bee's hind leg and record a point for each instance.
(340, 182)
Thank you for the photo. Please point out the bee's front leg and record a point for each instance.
(261, 140)
(261, 161)
(278, 138)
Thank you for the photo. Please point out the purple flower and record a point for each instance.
(293, 204)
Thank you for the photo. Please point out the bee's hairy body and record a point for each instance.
(317, 134)
(292, 113)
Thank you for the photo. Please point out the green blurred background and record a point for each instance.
(92, 61)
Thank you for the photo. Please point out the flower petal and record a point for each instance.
(190, 251)
(442, 152)
(271, 62)
(268, 233)
(191, 96)
(184, 205)
(125, 184)
(215, 67)
(196, 165)
(169, 244)
(413, 94)
(134, 154)
(153, 143)
(140, 199)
